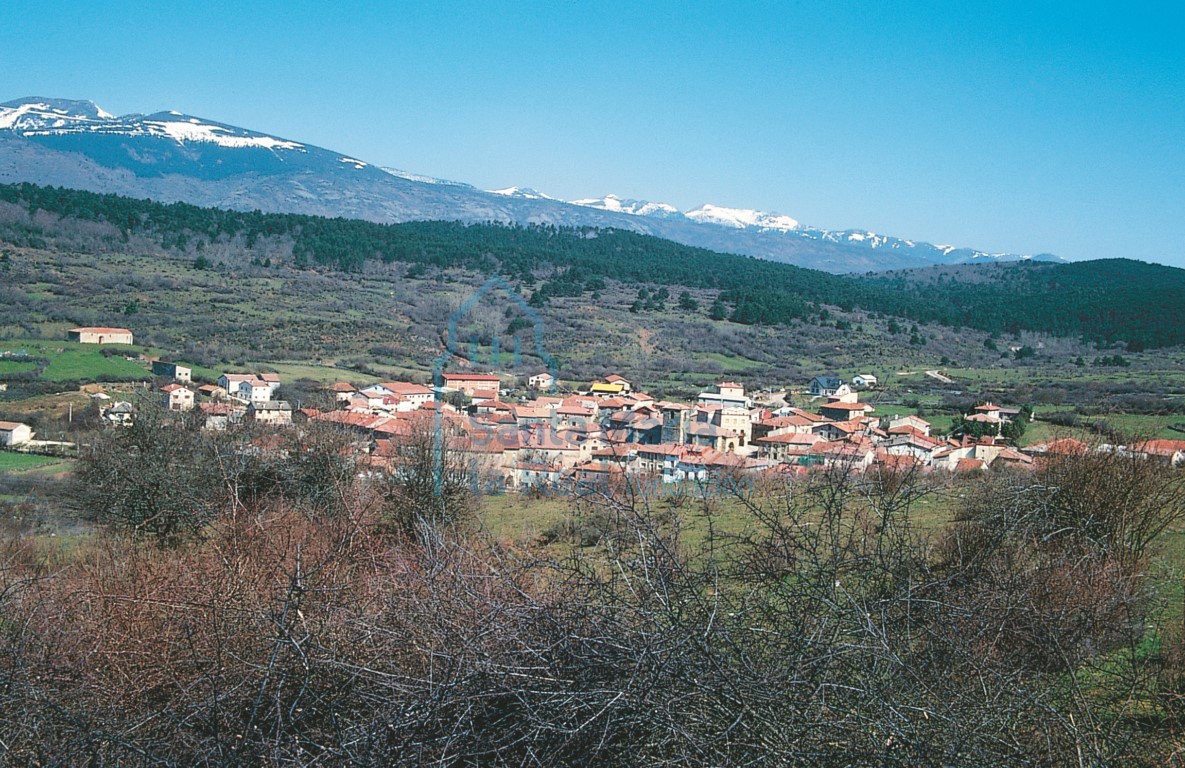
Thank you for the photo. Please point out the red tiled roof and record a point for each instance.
(1160, 447)
(790, 438)
(1010, 454)
(1066, 446)
(896, 461)
(907, 429)
(406, 388)
(847, 406)
(99, 329)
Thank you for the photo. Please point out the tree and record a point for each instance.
(429, 485)
(158, 477)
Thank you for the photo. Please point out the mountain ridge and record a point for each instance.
(175, 157)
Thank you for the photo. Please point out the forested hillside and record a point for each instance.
(1105, 301)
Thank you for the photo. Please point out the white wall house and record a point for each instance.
(14, 433)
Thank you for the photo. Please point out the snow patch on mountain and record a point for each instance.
(422, 179)
(194, 130)
(56, 117)
(741, 218)
(633, 207)
(35, 114)
(522, 193)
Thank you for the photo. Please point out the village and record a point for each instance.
(526, 433)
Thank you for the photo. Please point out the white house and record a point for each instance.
(728, 394)
(14, 433)
(541, 381)
(411, 396)
(103, 335)
(828, 386)
(177, 397)
(257, 385)
(121, 414)
(255, 390)
(864, 380)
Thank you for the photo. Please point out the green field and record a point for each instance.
(16, 366)
(69, 361)
(326, 374)
(732, 363)
(16, 462)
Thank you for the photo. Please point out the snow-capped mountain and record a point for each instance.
(170, 156)
(615, 204)
(773, 223)
(522, 193)
(740, 218)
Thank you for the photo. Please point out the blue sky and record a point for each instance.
(1021, 127)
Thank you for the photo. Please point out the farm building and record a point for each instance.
(14, 433)
(174, 371)
(98, 335)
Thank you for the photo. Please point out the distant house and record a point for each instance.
(219, 416)
(212, 391)
(412, 396)
(841, 411)
(97, 335)
(907, 424)
(626, 386)
(864, 380)
(250, 387)
(604, 389)
(828, 386)
(174, 371)
(259, 387)
(342, 392)
(541, 381)
(120, 414)
(471, 382)
(177, 397)
(255, 391)
(13, 433)
(270, 412)
(727, 394)
(230, 381)
(1170, 452)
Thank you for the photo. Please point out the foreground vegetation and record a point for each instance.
(178, 597)
(252, 599)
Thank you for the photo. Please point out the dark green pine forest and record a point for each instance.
(1105, 301)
